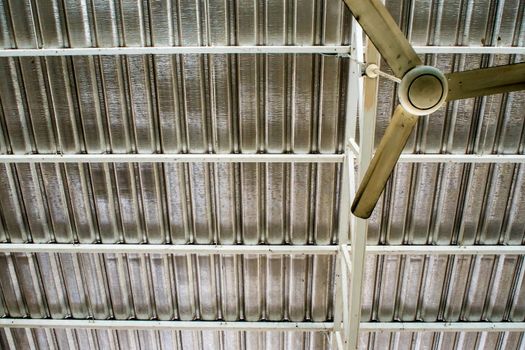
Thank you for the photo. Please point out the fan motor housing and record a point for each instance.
(423, 90)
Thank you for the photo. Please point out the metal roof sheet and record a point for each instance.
(246, 104)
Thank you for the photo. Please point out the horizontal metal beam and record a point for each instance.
(168, 249)
(290, 49)
(248, 49)
(442, 326)
(495, 50)
(249, 158)
(177, 50)
(171, 158)
(261, 326)
(258, 249)
(462, 158)
(172, 325)
(446, 250)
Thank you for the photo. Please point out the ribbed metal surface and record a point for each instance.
(172, 340)
(167, 287)
(456, 203)
(452, 204)
(183, 103)
(170, 203)
(458, 22)
(193, 103)
(444, 288)
(440, 340)
(170, 104)
(245, 104)
(52, 23)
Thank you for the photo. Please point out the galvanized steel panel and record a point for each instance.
(170, 203)
(442, 340)
(455, 203)
(250, 104)
(443, 288)
(133, 339)
(167, 287)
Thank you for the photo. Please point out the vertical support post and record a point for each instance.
(338, 340)
(340, 299)
(353, 96)
(360, 226)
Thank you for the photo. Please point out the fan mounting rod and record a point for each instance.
(372, 71)
(422, 90)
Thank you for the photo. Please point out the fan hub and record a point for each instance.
(423, 90)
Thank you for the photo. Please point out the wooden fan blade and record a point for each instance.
(486, 81)
(383, 163)
(381, 28)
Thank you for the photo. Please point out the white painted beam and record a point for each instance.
(341, 282)
(354, 147)
(173, 325)
(442, 326)
(177, 50)
(248, 49)
(462, 158)
(340, 286)
(347, 259)
(495, 50)
(341, 274)
(168, 248)
(260, 249)
(339, 341)
(251, 158)
(345, 292)
(446, 250)
(260, 326)
(367, 113)
(171, 158)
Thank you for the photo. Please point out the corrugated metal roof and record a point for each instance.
(440, 340)
(133, 339)
(187, 203)
(266, 103)
(444, 288)
(166, 287)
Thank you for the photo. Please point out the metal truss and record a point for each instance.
(442, 326)
(261, 326)
(295, 250)
(252, 158)
(169, 249)
(176, 50)
(341, 50)
(172, 158)
(173, 325)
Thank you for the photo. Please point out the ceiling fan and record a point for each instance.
(422, 90)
